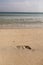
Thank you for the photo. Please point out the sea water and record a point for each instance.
(21, 19)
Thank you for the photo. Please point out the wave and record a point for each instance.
(29, 20)
(11, 22)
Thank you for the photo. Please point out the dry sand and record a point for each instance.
(10, 38)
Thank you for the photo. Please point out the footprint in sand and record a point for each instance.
(23, 47)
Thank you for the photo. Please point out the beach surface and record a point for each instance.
(11, 38)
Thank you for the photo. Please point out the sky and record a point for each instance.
(21, 5)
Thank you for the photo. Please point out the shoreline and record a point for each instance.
(20, 26)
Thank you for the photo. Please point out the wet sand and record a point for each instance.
(11, 38)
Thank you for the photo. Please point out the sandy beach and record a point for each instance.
(11, 55)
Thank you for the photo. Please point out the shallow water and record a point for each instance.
(21, 19)
(13, 21)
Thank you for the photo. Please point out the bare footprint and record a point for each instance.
(23, 47)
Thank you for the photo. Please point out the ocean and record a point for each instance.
(21, 19)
